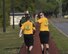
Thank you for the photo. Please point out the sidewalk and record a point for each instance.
(37, 48)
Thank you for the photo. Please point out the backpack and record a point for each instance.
(22, 21)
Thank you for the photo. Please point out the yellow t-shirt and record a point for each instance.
(43, 24)
(27, 27)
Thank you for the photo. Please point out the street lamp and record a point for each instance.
(4, 17)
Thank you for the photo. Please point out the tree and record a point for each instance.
(49, 6)
(65, 7)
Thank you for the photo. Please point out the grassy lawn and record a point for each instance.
(60, 40)
(10, 42)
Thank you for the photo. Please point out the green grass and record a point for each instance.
(60, 40)
(10, 42)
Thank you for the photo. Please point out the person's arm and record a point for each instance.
(38, 24)
(20, 33)
(34, 29)
(21, 30)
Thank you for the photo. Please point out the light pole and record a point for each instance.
(4, 17)
(12, 10)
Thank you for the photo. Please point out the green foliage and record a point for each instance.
(10, 42)
(60, 40)
(7, 9)
(65, 6)
(47, 5)
(32, 6)
(23, 5)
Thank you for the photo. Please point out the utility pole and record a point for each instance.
(4, 17)
(12, 10)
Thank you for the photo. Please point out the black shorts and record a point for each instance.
(44, 37)
(28, 39)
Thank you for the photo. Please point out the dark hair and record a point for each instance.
(39, 14)
(43, 13)
(27, 16)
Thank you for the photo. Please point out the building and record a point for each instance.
(17, 17)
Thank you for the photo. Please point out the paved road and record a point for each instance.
(62, 26)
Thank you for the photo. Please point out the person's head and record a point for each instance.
(27, 17)
(41, 15)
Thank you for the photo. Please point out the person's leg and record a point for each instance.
(42, 46)
(26, 47)
(31, 41)
(47, 48)
(30, 48)
(46, 41)
(26, 40)
(42, 42)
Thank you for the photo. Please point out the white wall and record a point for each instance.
(16, 20)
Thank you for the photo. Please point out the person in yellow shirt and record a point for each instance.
(44, 31)
(28, 30)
